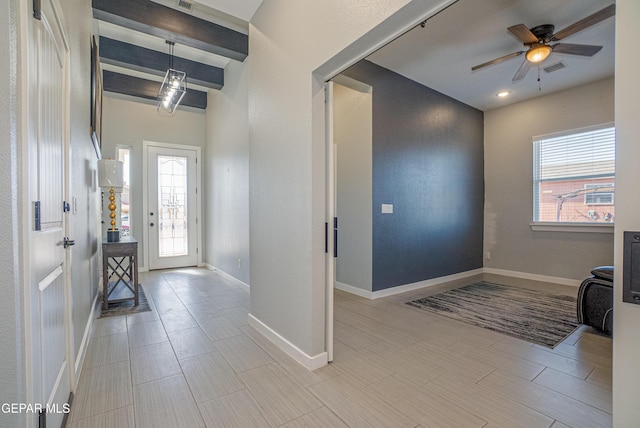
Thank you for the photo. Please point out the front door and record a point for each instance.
(48, 295)
(172, 207)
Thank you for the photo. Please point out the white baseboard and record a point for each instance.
(226, 275)
(426, 283)
(404, 288)
(534, 277)
(82, 351)
(309, 362)
(353, 290)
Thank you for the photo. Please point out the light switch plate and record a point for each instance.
(387, 208)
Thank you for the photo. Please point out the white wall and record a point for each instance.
(84, 226)
(509, 187)
(288, 41)
(130, 123)
(12, 346)
(227, 175)
(626, 337)
(353, 128)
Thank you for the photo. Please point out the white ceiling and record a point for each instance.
(441, 55)
(243, 9)
(472, 32)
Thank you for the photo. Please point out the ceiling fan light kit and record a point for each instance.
(537, 41)
(538, 53)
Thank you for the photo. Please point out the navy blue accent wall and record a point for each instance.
(428, 161)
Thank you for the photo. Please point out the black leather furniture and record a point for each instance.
(595, 300)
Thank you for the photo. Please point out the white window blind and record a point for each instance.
(570, 170)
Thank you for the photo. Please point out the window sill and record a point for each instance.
(572, 227)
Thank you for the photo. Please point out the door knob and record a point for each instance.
(151, 224)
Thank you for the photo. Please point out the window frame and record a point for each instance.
(127, 173)
(555, 226)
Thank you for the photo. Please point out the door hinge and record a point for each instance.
(66, 207)
(37, 9)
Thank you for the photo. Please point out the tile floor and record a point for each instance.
(194, 362)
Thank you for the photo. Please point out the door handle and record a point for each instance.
(66, 242)
(335, 237)
(151, 224)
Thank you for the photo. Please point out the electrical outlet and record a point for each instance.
(488, 255)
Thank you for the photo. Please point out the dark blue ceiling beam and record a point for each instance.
(134, 57)
(152, 18)
(147, 89)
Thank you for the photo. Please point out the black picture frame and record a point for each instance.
(96, 99)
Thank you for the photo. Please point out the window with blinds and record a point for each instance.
(574, 176)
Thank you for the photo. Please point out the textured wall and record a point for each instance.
(84, 222)
(509, 184)
(12, 358)
(227, 175)
(428, 163)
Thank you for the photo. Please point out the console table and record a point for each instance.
(119, 271)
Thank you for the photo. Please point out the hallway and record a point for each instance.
(193, 362)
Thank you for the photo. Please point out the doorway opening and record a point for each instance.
(172, 206)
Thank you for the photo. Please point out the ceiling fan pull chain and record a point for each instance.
(539, 81)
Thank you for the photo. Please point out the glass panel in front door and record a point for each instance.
(173, 236)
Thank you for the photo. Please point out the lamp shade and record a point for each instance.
(110, 174)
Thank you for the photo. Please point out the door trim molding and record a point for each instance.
(145, 205)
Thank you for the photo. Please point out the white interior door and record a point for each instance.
(172, 207)
(48, 293)
(330, 216)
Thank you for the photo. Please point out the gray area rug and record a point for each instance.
(126, 307)
(534, 316)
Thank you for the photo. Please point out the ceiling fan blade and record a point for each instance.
(522, 71)
(523, 33)
(573, 49)
(587, 22)
(497, 60)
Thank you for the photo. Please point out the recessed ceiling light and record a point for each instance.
(503, 94)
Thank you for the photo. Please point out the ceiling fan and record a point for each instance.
(538, 39)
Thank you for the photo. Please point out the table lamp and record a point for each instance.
(110, 176)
